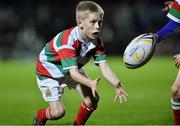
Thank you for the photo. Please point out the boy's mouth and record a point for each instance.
(96, 33)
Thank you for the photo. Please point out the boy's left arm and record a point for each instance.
(111, 77)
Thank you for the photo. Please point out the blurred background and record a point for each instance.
(26, 25)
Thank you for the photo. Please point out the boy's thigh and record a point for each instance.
(86, 94)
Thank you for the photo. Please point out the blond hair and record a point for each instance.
(85, 7)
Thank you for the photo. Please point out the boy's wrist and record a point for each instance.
(118, 85)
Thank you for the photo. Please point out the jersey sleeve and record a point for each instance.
(100, 55)
(68, 57)
(174, 12)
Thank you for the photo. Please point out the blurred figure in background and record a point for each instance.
(168, 29)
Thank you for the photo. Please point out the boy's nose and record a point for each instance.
(97, 26)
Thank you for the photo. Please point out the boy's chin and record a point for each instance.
(92, 38)
(95, 37)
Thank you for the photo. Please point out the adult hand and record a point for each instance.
(176, 59)
(167, 5)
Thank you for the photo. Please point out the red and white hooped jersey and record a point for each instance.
(67, 50)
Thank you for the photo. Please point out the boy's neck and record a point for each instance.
(85, 38)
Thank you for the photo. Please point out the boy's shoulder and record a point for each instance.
(69, 36)
(70, 30)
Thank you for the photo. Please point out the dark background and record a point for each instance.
(26, 25)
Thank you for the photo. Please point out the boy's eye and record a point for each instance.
(93, 22)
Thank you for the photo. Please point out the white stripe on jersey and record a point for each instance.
(66, 46)
(51, 68)
(54, 42)
(66, 68)
(102, 61)
(178, 1)
(173, 18)
(73, 36)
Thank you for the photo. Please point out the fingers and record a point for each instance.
(177, 64)
(176, 59)
(121, 98)
(156, 36)
(115, 99)
(93, 86)
(94, 93)
(93, 89)
(168, 5)
(125, 98)
(125, 94)
(165, 8)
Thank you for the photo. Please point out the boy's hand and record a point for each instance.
(176, 59)
(168, 5)
(93, 86)
(120, 94)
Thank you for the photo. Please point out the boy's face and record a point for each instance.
(91, 26)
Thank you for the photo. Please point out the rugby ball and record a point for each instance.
(139, 51)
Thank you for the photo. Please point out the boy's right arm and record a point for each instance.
(75, 75)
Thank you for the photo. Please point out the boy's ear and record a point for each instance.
(79, 23)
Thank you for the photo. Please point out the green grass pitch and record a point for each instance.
(148, 88)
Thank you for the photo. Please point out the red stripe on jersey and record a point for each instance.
(53, 51)
(66, 35)
(99, 52)
(100, 47)
(41, 70)
(176, 6)
(67, 53)
(76, 44)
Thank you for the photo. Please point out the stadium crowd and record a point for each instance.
(25, 24)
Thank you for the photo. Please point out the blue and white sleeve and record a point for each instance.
(168, 29)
